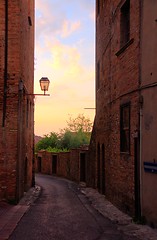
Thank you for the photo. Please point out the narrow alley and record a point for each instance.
(62, 212)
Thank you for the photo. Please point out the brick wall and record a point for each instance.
(91, 160)
(118, 84)
(46, 162)
(63, 165)
(66, 164)
(74, 164)
(16, 108)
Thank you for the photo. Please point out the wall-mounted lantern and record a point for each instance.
(44, 84)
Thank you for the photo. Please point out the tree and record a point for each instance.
(49, 140)
(74, 139)
(79, 123)
(77, 133)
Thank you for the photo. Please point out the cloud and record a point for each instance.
(65, 65)
(52, 17)
(92, 15)
(64, 54)
(69, 27)
(65, 60)
(48, 21)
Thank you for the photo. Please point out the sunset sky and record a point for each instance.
(65, 53)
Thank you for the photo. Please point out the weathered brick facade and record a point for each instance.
(91, 160)
(63, 165)
(125, 86)
(16, 106)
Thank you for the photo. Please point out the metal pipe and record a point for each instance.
(140, 109)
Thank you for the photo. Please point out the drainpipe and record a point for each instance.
(141, 106)
(5, 64)
(141, 185)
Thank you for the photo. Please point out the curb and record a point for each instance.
(123, 221)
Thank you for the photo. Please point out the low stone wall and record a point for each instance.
(43, 162)
(63, 165)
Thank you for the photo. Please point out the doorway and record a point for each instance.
(98, 167)
(83, 167)
(25, 174)
(39, 164)
(137, 179)
(54, 164)
(103, 170)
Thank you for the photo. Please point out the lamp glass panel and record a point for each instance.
(44, 84)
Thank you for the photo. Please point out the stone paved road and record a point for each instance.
(62, 212)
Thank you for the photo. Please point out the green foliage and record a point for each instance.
(77, 133)
(74, 139)
(50, 149)
(49, 140)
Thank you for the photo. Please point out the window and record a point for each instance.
(98, 7)
(104, 1)
(29, 7)
(30, 114)
(125, 23)
(98, 76)
(100, 4)
(29, 13)
(27, 113)
(125, 128)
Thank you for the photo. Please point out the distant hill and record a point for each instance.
(37, 139)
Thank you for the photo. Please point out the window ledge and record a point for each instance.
(125, 47)
(125, 153)
(98, 90)
(125, 156)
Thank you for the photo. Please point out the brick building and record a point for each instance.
(16, 106)
(126, 96)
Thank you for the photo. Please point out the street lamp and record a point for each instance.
(44, 84)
